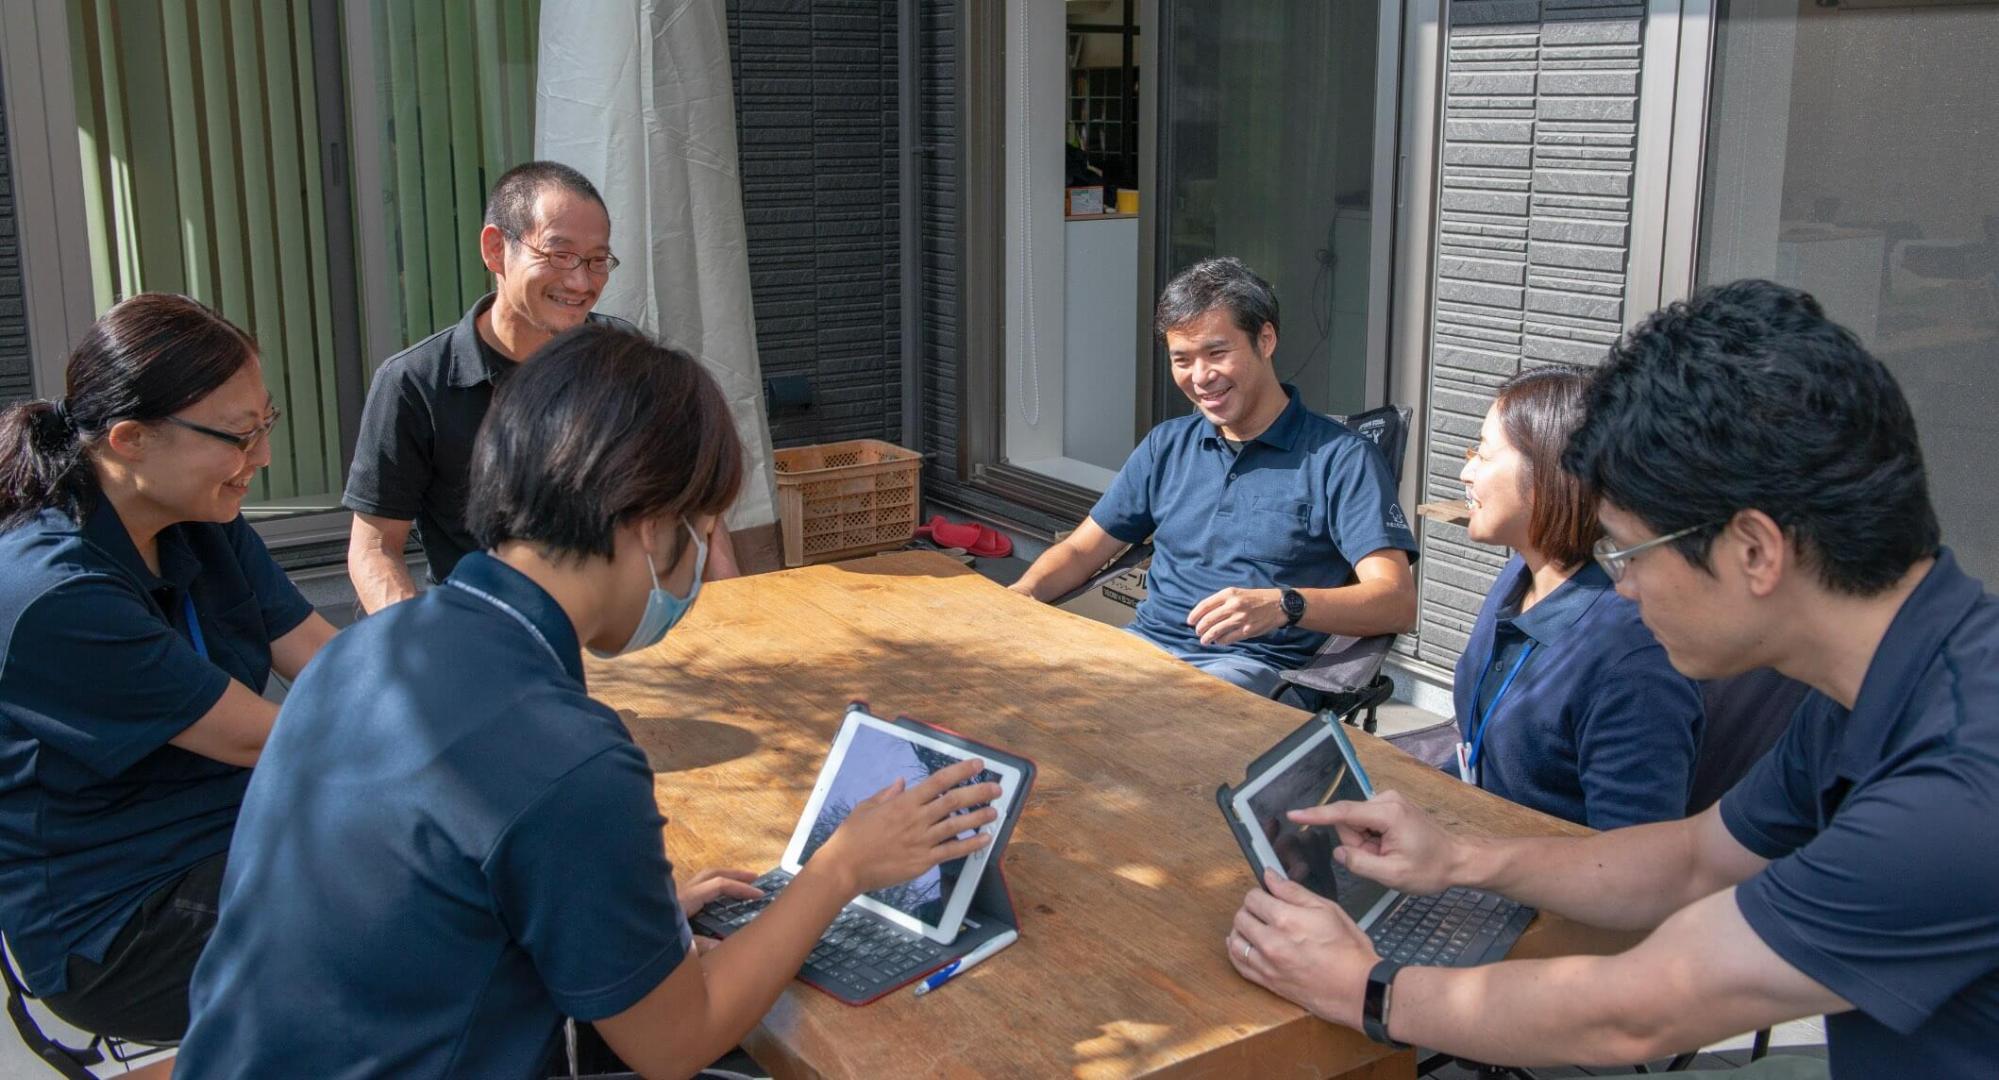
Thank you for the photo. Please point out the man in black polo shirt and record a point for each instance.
(1766, 505)
(547, 240)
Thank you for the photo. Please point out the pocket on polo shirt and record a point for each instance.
(1278, 530)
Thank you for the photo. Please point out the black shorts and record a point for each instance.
(139, 992)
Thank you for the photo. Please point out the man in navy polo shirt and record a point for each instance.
(1766, 505)
(547, 240)
(1271, 526)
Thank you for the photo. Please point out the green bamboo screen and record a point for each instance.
(456, 85)
(198, 126)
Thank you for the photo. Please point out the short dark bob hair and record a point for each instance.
(1539, 409)
(1226, 283)
(600, 428)
(1747, 397)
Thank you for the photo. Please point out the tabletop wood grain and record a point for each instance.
(1123, 871)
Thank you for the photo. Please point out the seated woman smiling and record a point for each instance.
(1564, 700)
(139, 619)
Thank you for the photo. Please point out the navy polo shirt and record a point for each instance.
(1882, 827)
(413, 455)
(1598, 727)
(447, 847)
(1298, 506)
(97, 673)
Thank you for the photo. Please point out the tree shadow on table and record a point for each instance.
(677, 745)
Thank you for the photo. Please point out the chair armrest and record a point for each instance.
(1342, 665)
(1125, 560)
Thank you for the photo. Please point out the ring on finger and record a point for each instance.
(1246, 950)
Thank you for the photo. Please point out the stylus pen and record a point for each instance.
(964, 963)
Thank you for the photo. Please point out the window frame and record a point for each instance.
(1399, 297)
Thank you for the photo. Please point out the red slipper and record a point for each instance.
(981, 540)
(945, 533)
(991, 544)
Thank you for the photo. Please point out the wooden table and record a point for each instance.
(1124, 873)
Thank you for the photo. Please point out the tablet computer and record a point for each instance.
(1316, 765)
(868, 755)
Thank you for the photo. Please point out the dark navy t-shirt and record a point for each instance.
(1597, 727)
(97, 673)
(1299, 506)
(447, 847)
(1882, 827)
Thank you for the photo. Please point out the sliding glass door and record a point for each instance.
(1270, 150)
(1852, 153)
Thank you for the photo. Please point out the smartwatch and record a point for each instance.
(1374, 1007)
(1293, 603)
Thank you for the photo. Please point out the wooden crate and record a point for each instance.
(839, 500)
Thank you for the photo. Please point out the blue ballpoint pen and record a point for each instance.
(964, 963)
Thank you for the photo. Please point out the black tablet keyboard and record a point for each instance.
(1458, 927)
(860, 956)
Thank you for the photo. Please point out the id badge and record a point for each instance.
(1464, 762)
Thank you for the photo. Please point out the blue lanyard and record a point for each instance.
(515, 614)
(193, 625)
(1478, 733)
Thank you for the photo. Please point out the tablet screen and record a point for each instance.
(874, 760)
(1318, 773)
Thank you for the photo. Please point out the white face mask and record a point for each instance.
(663, 609)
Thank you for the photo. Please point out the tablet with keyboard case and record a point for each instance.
(893, 936)
(1316, 764)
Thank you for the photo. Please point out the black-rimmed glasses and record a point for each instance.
(242, 441)
(599, 265)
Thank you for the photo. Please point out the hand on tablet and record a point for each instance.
(711, 884)
(1301, 946)
(1390, 840)
(896, 834)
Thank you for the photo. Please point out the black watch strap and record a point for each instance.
(1374, 1007)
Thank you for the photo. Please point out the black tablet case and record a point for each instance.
(991, 912)
(1225, 794)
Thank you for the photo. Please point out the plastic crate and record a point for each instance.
(839, 500)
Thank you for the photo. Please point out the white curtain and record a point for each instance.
(635, 94)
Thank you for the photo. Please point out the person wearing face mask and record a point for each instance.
(450, 846)
(547, 241)
(140, 617)
(1565, 701)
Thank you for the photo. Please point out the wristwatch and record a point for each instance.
(1374, 1007)
(1293, 603)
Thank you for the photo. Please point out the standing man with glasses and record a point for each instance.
(1765, 504)
(547, 240)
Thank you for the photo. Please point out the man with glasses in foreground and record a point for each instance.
(547, 240)
(1766, 504)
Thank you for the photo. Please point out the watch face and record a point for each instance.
(1293, 603)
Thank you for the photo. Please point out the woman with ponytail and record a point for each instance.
(140, 618)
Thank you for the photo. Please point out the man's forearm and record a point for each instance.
(1628, 879)
(1565, 1010)
(1058, 570)
(380, 579)
(722, 562)
(1703, 975)
(1363, 609)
